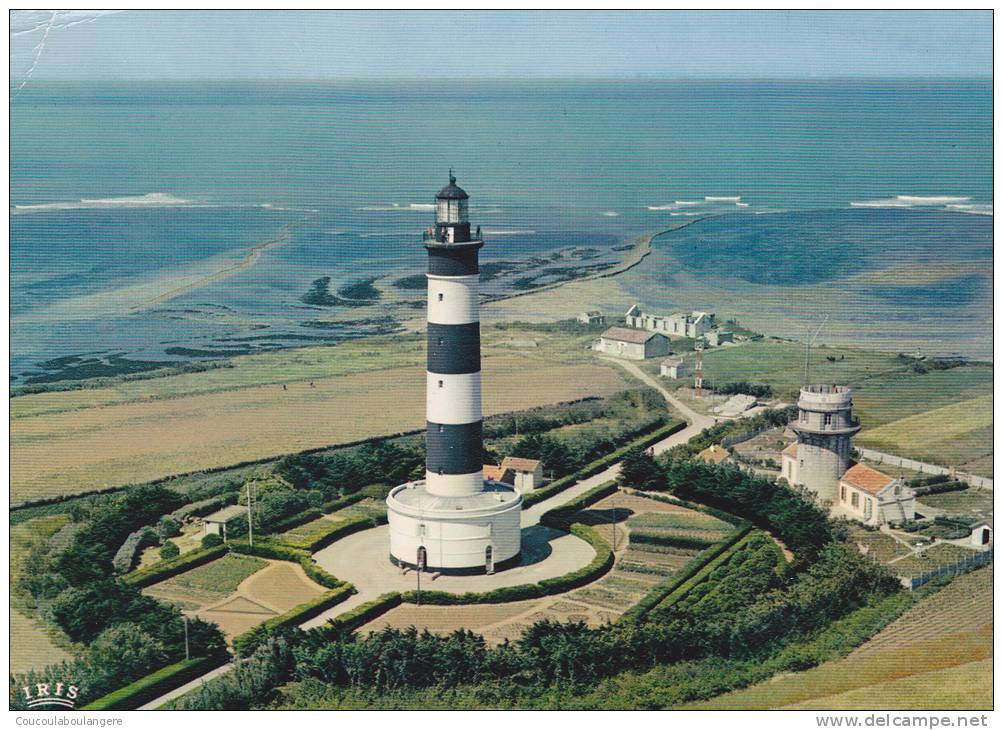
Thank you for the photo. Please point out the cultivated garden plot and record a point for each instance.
(207, 583)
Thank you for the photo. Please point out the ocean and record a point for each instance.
(167, 222)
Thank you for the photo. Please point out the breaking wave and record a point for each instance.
(150, 200)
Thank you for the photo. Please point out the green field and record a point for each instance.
(207, 583)
(971, 502)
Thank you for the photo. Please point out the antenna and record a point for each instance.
(807, 350)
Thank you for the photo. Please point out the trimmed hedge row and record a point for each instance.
(265, 548)
(359, 616)
(688, 542)
(559, 485)
(660, 592)
(154, 685)
(245, 644)
(326, 534)
(341, 502)
(167, 568)
(598, 567)
(560, 517)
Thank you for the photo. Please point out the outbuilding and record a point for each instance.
(592, 317)
(215, 524)
(632, 344)
(982, 534)
(526, 474)
(674, 368)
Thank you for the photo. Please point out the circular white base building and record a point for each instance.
(455, 535)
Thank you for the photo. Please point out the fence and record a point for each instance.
(923, 468)
(973, 561)
(738, 438)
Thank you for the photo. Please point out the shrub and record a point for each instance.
(265, 548)
(168, 527)
(167, 568)
(245, 644)
(324, 535)
(126, 556)
(169, 550)
(211, 540)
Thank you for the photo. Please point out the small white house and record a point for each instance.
(215, 524)
(674, 368)
(982, 534)
(593, 317)
(526, 474)
(632, 344)
(789, 463)
(874, 498)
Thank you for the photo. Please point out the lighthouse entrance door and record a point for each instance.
(489, 561)
(422, 557)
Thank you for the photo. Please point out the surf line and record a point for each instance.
(250, 258)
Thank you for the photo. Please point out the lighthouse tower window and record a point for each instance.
(440, 297)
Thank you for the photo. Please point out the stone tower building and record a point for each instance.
(825, 427)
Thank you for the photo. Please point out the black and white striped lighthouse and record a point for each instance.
(453, 521)
(453, 393)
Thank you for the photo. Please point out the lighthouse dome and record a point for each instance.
(452, 191)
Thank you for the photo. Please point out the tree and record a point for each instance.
(212, 540)
(169, 550)
(168, 527)
(640, 470)
(127, 650)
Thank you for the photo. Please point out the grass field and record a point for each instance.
(95, 447)
(207, 583)
(954, 434)
(973, 502)
(933, 642)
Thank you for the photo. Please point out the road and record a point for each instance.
(530, 517)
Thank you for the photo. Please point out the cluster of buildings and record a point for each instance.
(649, 335)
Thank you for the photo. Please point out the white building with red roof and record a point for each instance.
(873, 497)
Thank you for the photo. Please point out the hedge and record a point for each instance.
(296, 520)
(688, 542)
(560, 517)
(341, 502)
(559, 485)
(326, 534)
(148, 688)
(167, 568)
(245, 644)
(598, 567)
(359, 616)
(265, 548)
(660, 592)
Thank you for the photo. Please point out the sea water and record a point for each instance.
(122, 194)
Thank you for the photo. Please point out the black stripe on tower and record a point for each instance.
(453, 448)
(453, 259)
(454, 349)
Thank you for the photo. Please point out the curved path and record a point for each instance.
(530, 518)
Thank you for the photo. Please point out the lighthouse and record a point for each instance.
(453, 521)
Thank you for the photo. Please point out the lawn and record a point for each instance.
(937, 556)
(971, 502)
(950, 629)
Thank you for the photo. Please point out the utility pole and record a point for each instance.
(613, 504)
(187, 652)
(807, 350)
(250, 514)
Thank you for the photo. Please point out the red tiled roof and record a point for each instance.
(516, 464)
(791, 450)
(866, 479)
(622, 334)
(492, 472)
